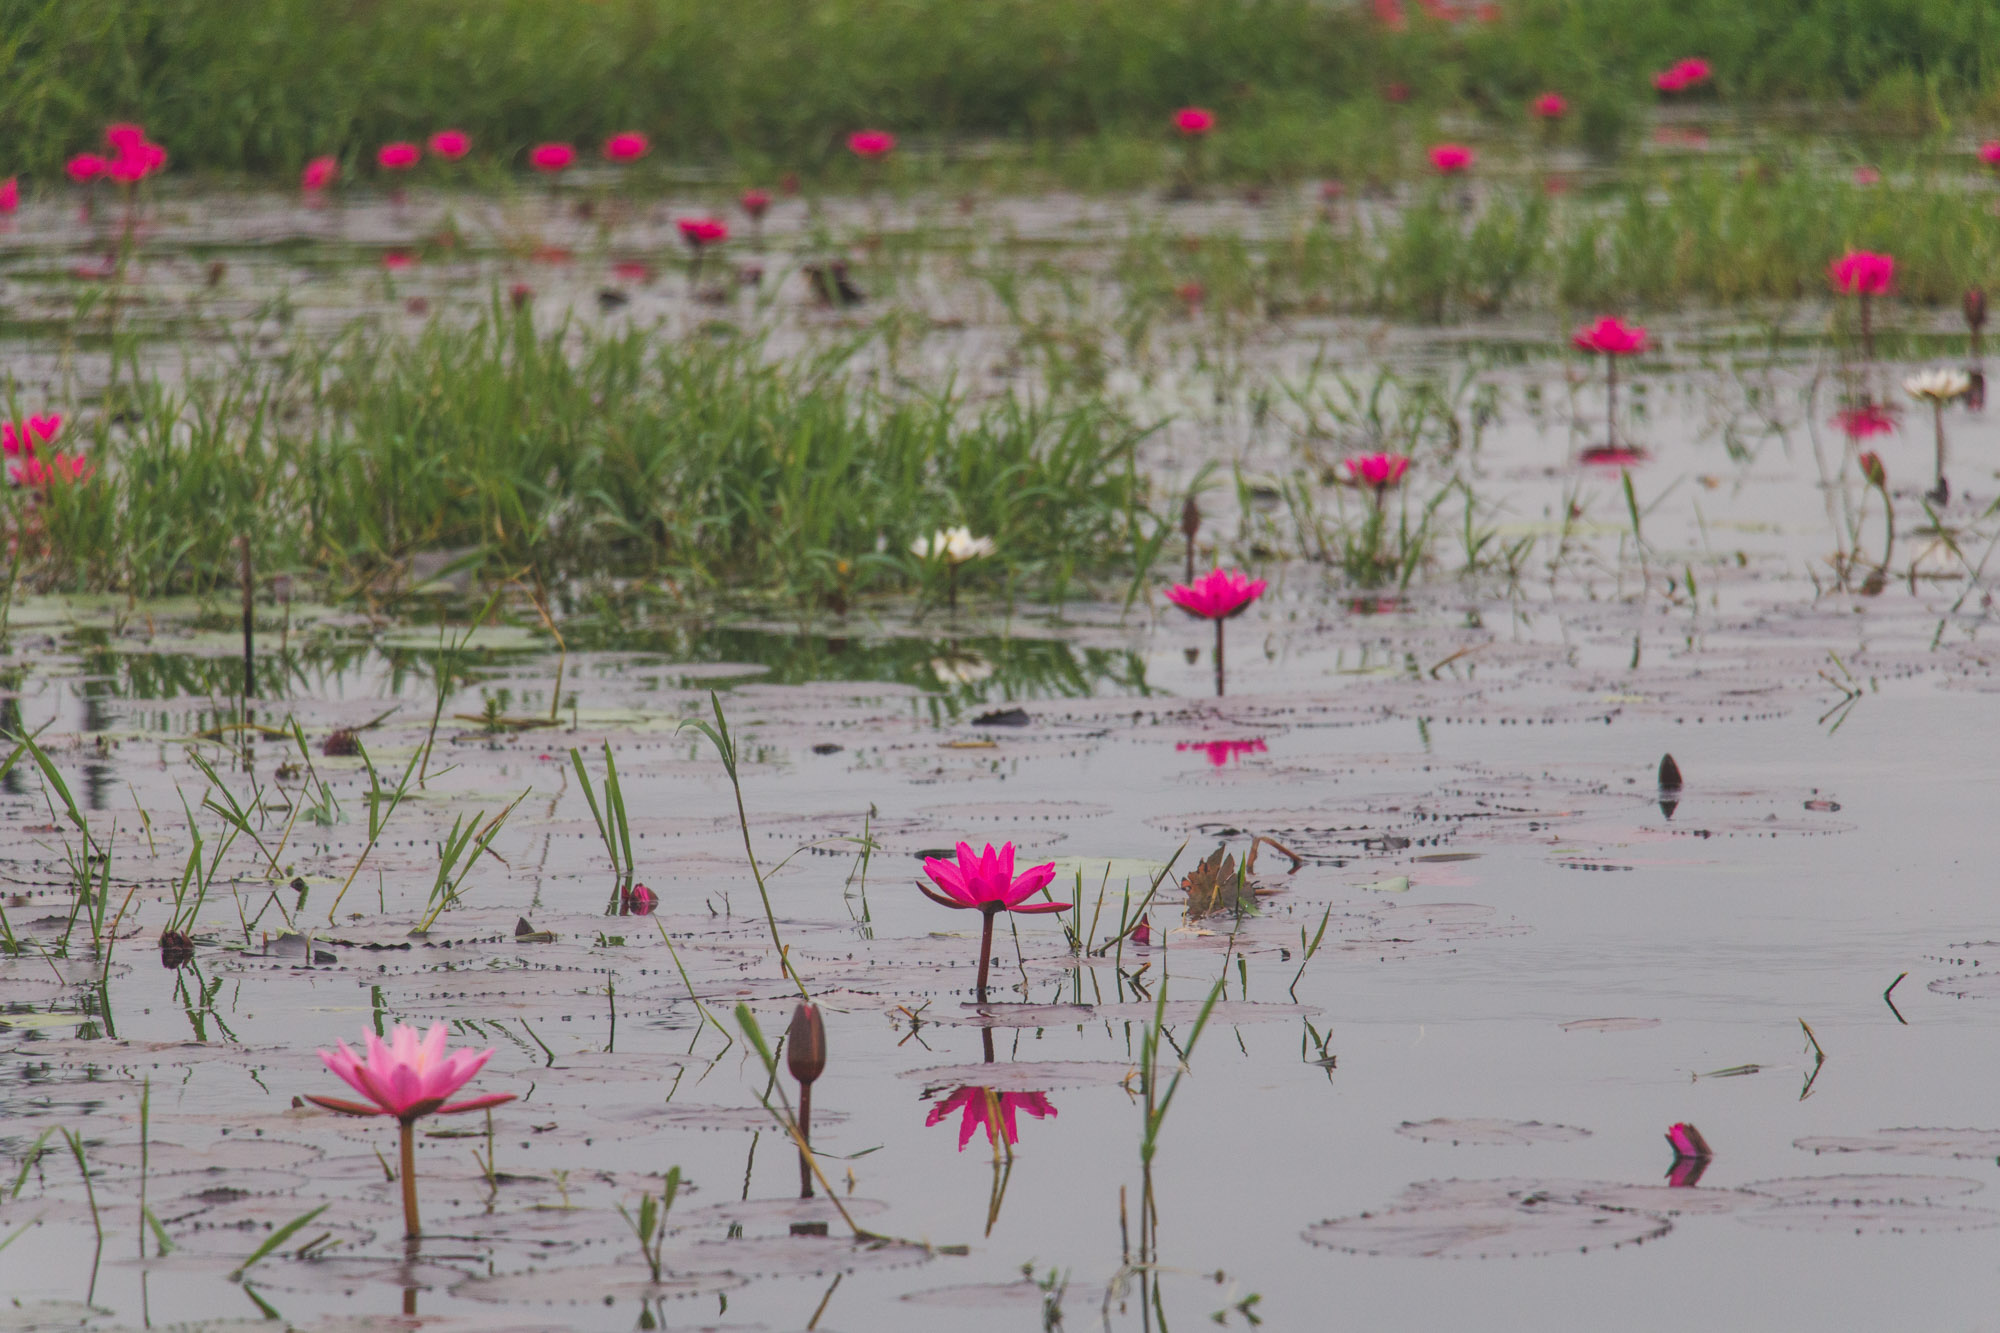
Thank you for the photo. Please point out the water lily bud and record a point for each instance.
(805, 1047)
(1190, 518)
(1873, 472)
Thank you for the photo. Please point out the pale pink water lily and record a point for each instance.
(985, 882)
(451, 145)
(408, 1077)
(981, 1107)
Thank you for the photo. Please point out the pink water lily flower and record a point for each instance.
(451, 145)
(1194, 121)
(1868, 419)
(1862, 273)
(628, 146)
(986, 882)
(1611, 336)
(86, 167)
(981, 1106)
(1687, 1141)
(408, 1077)
(755, 202)
(10, 195)
(398, 156)
(551, 157)
(1450, 159)
(1989, 152)
(703, 232)
(1218, 594)
(319, 173)
(1550, 106)
(41, 429)
(1377, 471)
(871, 143)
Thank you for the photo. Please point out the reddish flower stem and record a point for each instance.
(986, 933)
(411, 1228)
(1218, 657)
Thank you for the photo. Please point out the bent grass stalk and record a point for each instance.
(725, 746)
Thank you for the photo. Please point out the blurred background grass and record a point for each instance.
(261, 85)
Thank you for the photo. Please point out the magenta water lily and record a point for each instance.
(985, 882)
(1217, 595)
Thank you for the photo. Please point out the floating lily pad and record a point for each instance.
(1489, 1133)
(1870, 1219)
(776, 1212)
(1857, 1189)
(1065, 1015)
(1025, 1075)
(591, 1286)
(1488, 1230)
(1964, 1143)
(980, 1296)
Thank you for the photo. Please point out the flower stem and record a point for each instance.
(1937, 417)
(986, 946)
(411, 1228)
(1218, 657)
(805, 1118)
(1867, 331)
(1610, 401)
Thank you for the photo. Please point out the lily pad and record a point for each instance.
(1489, 1133)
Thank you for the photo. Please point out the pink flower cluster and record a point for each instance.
(20, 441)
(1683, 75)
(132, 158)
(45, 472)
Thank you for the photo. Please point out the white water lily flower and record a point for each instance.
(966, 669)
(953, 545)
(1938, 385)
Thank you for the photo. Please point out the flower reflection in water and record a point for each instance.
(1221, 752)
(982, 1107)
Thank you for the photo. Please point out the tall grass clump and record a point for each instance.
(578, 455)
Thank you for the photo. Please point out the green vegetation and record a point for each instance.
(261, 85)
(561, 454)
